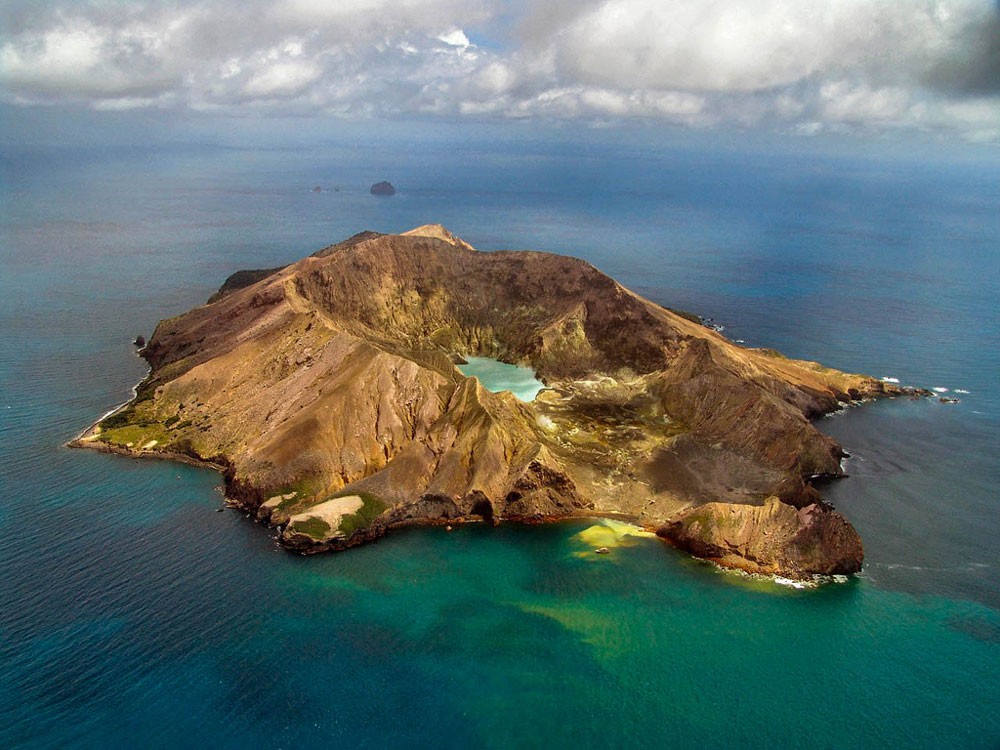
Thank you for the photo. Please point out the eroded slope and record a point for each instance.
(328, 392)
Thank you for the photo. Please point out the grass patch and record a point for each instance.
(314, 527)
(120, 418)
(301, 491)
(137, 434)
(304, 489)
(364, 516)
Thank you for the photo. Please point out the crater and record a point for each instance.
(497, 376)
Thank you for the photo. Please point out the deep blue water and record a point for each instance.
(132, 614)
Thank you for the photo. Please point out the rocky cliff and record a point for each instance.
(769, 539)
(327, 391)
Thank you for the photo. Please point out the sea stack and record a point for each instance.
(383, 188)
(327, 393)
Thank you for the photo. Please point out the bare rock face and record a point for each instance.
(770, 539)
(328, 392)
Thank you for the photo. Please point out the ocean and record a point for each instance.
(132, 614)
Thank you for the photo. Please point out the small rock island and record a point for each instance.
(383, 188)
(327, 394)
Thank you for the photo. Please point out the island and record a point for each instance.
(327, 394)
(383, 188)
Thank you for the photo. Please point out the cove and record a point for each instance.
(499, 376)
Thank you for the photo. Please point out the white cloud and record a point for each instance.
(794, 65)
(281, 79)
(859, 103)
(456, 38)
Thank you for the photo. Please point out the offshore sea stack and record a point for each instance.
(327, 393)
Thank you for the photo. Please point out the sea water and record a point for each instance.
(132, 614)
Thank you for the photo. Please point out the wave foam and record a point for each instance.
(887, 379)
(791, 583)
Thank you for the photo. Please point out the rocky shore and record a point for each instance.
(326, 393)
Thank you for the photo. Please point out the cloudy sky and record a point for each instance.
(802, 66)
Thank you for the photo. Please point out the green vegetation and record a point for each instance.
(139, 422)
(364, 516)
(312, 526)
(138, 413)
(301, 491)
(120, 418)
(305, 488)
(137, 434)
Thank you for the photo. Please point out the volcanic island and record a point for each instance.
(327, 394)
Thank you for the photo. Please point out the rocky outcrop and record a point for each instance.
(333, 378)
(770, 539)
(240, 280)
(383, 188)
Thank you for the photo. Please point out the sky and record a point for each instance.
(791, 67)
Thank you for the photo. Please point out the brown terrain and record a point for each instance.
(326, 392)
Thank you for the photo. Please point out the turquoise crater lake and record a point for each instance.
(499, 376)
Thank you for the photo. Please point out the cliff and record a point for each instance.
(327, 391)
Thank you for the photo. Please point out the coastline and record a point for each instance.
(636, 412)
(89, 439)
(379, 530)
(94, 444)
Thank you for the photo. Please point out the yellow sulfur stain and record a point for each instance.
(608, 533)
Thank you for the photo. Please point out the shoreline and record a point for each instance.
(89, 439)
(379, 531)
(114, 410)
(95, 444)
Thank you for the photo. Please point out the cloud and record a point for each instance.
(283, 79)
(802, 67)
(456, 38)
(745, 45)
(84, 60)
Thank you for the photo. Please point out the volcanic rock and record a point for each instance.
(770, 539)
(328, 392)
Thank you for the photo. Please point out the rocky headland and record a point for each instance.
(326, 392)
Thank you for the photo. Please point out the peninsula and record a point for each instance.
(326, 392)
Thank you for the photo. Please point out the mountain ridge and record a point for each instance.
(333, 377)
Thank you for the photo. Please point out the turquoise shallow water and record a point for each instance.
(501, 376)
(133, 614)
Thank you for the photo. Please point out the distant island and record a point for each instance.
(326, 393)
(383, 188)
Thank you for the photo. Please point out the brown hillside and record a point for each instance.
(333, 378)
